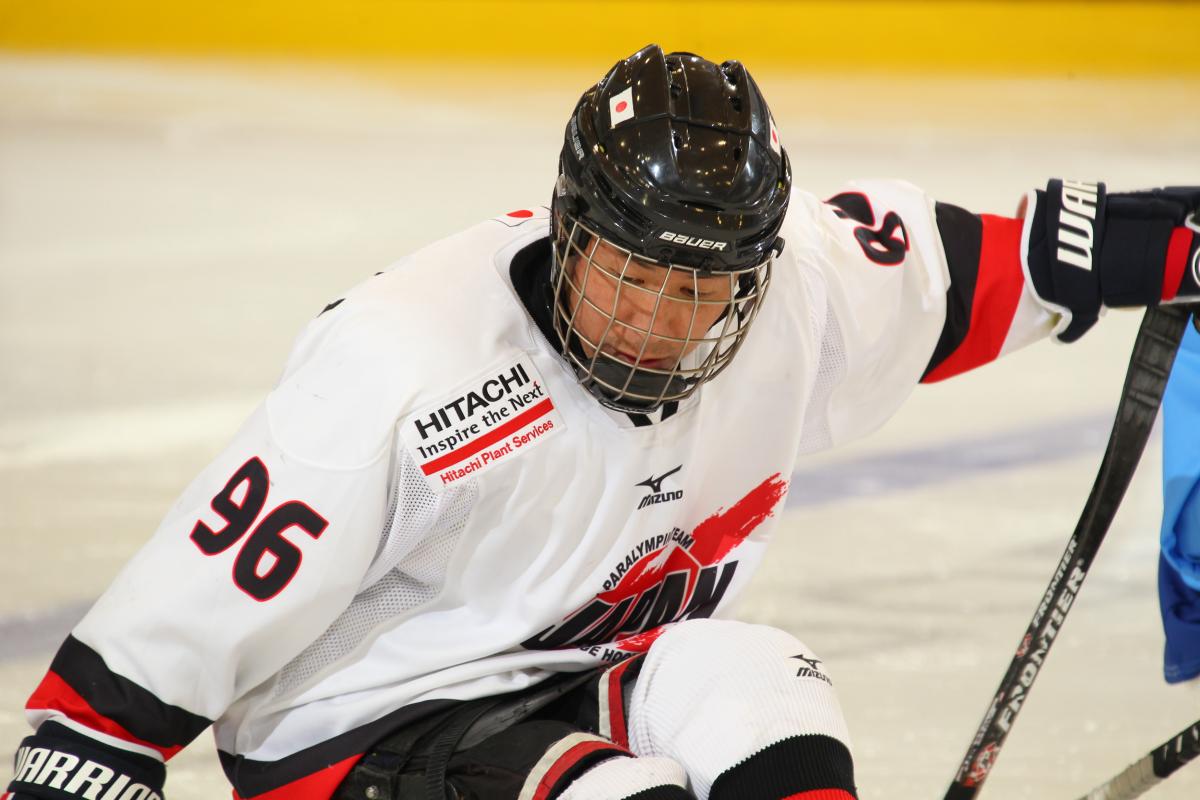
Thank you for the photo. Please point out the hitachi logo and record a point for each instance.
(692, 241)
(490, 391)
(78, 777)
(1076, 224)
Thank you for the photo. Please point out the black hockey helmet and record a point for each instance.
(675, 161)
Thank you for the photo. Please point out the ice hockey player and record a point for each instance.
(482, 538)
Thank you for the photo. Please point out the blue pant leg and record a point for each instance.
(1179, 565)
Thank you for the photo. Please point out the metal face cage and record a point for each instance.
(641, 332)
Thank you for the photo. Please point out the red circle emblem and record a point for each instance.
(621, 106)
(524, 213)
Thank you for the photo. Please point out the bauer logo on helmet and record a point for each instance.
(692, 241)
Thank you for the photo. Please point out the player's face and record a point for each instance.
(642, 313)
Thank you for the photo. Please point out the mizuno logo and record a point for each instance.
(813, 663)
(657, 495)
(655, 484)
(1077, 223)
(813, 670)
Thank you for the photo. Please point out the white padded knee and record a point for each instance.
(624, 777)
(711, 693)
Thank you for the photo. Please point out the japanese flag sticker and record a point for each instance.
(774, 136)
(620, 107)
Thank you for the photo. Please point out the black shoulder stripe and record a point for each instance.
(122, 701)
(794, 765)
(962, 239)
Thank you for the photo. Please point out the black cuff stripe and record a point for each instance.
(796, 764)
(121, 700)
(69, 737)
(962, 239)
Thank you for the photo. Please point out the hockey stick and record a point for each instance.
(1149, 366)
(1149, 770)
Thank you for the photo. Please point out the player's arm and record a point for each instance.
(1075, 249)
(919, 290)
(257, 558)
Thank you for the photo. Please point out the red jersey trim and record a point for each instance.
(319, 785)
(822, 794)
(55, 694)
(998, 289)
(466, 451)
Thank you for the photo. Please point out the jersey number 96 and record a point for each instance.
(254, 573)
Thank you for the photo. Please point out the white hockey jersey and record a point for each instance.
(428, 507)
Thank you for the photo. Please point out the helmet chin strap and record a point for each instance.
(605, 372)
(637, 382)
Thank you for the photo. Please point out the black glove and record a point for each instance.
(1090, 249)
(59, 763)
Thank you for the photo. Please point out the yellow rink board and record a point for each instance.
(1061, 38)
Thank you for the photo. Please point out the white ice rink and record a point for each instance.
(166, 228)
